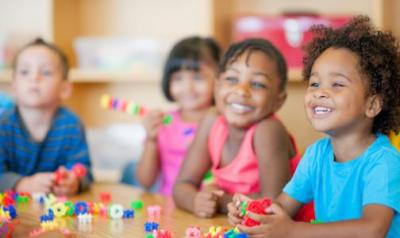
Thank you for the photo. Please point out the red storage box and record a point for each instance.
(289, 33)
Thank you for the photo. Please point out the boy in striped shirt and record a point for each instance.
(38, 136)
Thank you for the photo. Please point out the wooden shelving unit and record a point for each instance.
(63, 21)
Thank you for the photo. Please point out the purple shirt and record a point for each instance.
(173, 142)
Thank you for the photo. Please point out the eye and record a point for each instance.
(337, 85)
(23, 72)
(313, 84)
(198, 77)
(231, 80)
(47, 72)
(258, 85)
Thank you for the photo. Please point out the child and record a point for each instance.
(353, 175)
(188, 80)
(247, 148)
(38, 136)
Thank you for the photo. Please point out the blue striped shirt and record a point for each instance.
(65, 144)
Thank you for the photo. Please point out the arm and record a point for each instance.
(273, 148)
(77, 151)
(148, 167)
(274, 151)
(374, 223)
(195, 165)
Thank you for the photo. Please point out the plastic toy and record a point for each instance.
(154, 212)
(193, 232)
(150, 226)
(78, 169)
(215, 232)
(136, 205)
(161, 234)
(59, 209)
(81, 208)
(234, 233)
(258, 207)
(128, 213)
(105, 197)
(70, 208)
(131, 108)
(116, 211)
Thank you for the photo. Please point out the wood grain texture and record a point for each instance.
(172, 219)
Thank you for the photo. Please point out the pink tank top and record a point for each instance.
(173, 142)
(242, 174)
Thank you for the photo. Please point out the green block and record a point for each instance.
(167, 119)
(138, 204)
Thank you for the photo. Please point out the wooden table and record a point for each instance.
(172, 219)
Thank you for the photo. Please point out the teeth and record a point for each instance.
(240, 107)
(322, 110)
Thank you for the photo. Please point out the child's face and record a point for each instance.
(193, 90)
(249, 89)
(38, 78)
(336, 99)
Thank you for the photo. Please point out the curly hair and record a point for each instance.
(379, 56)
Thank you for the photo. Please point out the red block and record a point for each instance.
(258, 207)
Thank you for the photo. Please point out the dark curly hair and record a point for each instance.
(40, 42)
(379, 57)
(187, 54)
(256, 44)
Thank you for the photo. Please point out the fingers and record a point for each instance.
(205, 204)
(218, 193)
(239, 198)
(261, 218)
(234, 220)
(69, 178)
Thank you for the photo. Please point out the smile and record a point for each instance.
(240, 108)
(321, 110)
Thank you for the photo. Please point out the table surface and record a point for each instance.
(172, 219)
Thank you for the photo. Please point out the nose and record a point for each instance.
(35, 76)
(321, 93)
(243, 89)
(188, 84)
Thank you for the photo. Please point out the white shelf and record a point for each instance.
(96, 76)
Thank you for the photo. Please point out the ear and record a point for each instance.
(374, 106)
(66, 90)
(280, 100)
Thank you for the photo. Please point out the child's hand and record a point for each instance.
(68, 184)
(39, 182)
(152, 122)
(206, 203)
(235, 215)
(276, 224)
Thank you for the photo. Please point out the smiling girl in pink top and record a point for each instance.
(247, 147)
(188, 80)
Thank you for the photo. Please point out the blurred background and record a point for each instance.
(118, 47)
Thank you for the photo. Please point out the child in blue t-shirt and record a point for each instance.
(353, 175)
(38, 136)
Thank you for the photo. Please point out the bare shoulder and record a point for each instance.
(271, 128)
(272, 132)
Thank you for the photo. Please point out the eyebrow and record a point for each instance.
(257, 73)
(332, 74)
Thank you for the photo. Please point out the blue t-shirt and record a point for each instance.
(65, 144)
(340, 190)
